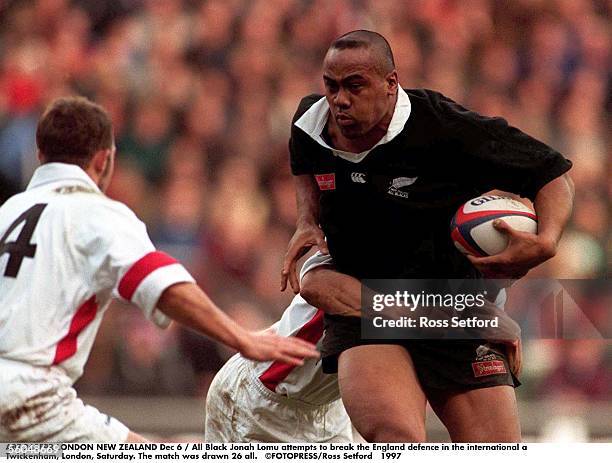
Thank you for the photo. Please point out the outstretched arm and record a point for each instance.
(189, 305)
(307, 233)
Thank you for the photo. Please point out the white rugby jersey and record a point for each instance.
(65, 251)
(306, 383)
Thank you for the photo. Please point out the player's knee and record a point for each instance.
(507, 430)
(389, 431)
(486, 434)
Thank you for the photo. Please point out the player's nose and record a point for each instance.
(341, 99)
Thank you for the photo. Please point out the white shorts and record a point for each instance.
(40, 405)
(239, 408)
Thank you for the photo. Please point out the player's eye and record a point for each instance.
(331, 86)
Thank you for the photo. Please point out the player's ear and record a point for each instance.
(100, 160)
(392, 82)
(40, 156)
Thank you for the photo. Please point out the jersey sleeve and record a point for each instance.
(495, 155)
(123, 259)
(301, 146)
(316, 260)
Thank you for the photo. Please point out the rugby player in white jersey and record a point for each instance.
(250, 401)
(65, 251)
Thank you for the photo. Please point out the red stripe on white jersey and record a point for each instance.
(140, 270)
(84, 315)
(278, 371)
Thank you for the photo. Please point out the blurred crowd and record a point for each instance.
(202, 92)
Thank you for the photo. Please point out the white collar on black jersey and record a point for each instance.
(313, 122)
(59, 172)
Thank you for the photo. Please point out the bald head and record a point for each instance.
(374, 42)
(360, 87)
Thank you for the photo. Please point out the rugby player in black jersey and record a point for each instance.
(379, 173)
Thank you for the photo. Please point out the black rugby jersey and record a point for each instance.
(387, 213)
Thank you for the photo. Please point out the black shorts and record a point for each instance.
(440, 364)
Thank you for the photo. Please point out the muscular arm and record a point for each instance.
(553, 205)
(333, 292)
(307, 233)
(189, 305)
(339, 294)
(307, 197)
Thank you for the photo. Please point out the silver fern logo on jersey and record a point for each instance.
(398, 183)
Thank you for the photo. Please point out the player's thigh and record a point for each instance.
(58, 415)
(338, 424)
(90, 425)
(487, 414)
(382, 394)
(221, 401)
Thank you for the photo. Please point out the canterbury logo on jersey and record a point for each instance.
(398, 183)
(358, 177)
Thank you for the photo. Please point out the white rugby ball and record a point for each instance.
(472, 228)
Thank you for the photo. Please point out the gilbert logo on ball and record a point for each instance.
(472, 228)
